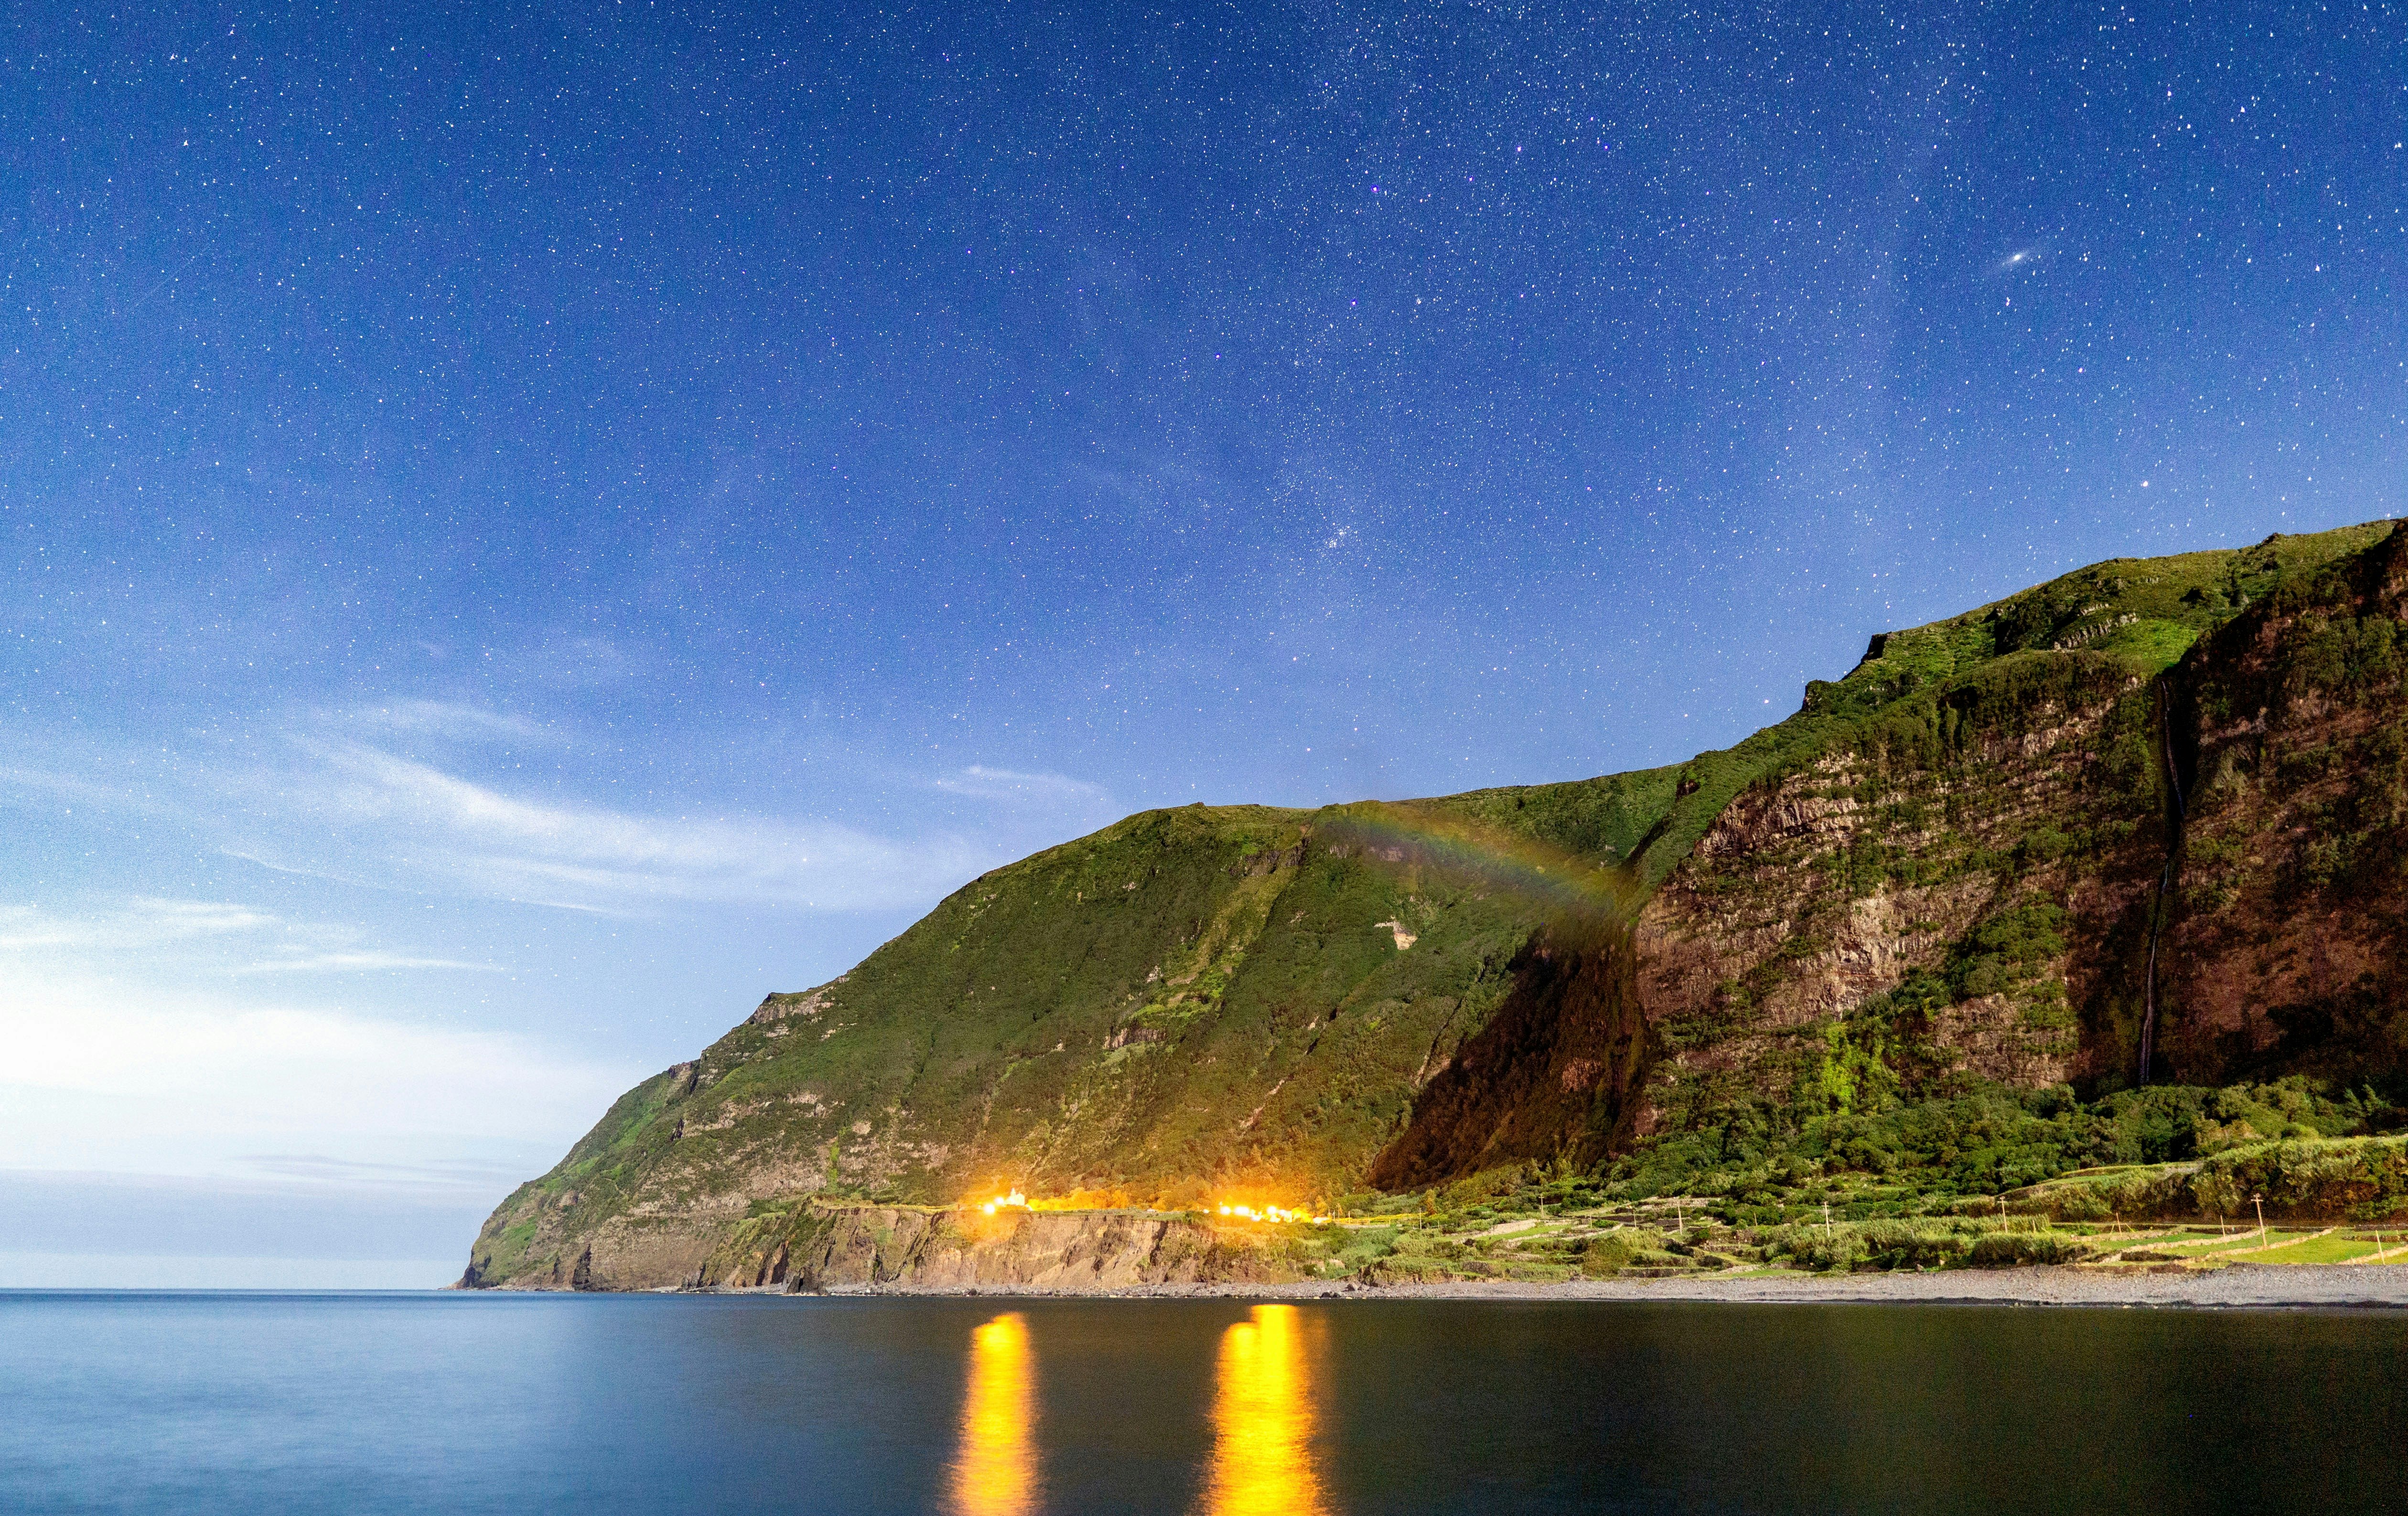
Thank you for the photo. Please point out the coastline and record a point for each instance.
(2297, 1286)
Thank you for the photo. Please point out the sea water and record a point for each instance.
(698, 1405)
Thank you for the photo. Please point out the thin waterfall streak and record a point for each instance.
(2159, 907)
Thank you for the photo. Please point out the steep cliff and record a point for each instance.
(2009, 879)
(1987, 852)
(1191, 1002)
(2284, 953)
(2153, 800)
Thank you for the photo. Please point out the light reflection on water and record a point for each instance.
(1263, 1421)
(995, 1473)
(132, 1404)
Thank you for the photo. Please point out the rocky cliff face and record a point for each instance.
(1998, 858)
(2058, 856)
(1553, 1077)
(851, 1247)
(1065, 1252)
(2285, 948)
(2154, 801)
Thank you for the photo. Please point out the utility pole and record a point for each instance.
(2259, 1201)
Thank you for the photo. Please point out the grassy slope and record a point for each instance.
(1191, 999)
(1201, 997)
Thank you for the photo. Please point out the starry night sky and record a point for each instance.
(523, 528)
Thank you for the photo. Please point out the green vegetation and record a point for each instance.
(1534, 1227)
(1903, 1155)
(1189, 1001)
(2362, 1178)
(1917, 690)
(1934, 910)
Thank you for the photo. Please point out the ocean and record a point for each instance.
(360, 1403)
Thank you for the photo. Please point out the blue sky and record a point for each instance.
(523, 528)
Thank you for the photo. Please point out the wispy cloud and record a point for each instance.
(302, 869)
(96, 1081)
(575, 661)
(1012, 786)
(134, 924)
(317, 1168)
(75, 789)
(526, 849)
(1149, 482)
(271, 944)
(355, 963)
(446, 719)
(342, 796)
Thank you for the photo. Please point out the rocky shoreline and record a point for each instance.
(2241, 1286)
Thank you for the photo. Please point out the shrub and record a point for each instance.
(2010, 1250)
(1365, 1247)
(1618, 1249)
(1905, 1242)
(1916, 1244)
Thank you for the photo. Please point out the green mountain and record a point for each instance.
(2143, 826)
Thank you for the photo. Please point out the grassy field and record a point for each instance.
(1604, 1244)
(1539, 1227)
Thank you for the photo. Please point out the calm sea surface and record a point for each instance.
(334, 1403)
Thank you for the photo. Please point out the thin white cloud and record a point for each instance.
(1149, 482)
(356, 879)
(207, 932)
(191, 917)
(438, 1174)
(194, 1082)
(136, 924)
(506, 845)
(75, 789)
(448, 719)
(1008, 785)
(576, 662)
(363, 961)
(364, 813)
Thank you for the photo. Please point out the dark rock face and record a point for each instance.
(2285, 947)
(2000, 869)
(1550, 1077)
(2021, 794)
